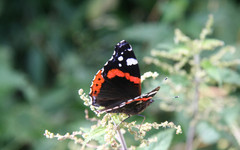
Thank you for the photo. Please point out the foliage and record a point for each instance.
(205, 82)
(49, 49)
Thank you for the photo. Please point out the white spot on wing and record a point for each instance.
(111, 59)
(122, 41)
(130, 100)
(107, 110)
(131, 61)
(130, 49)
(153, 92)
(120, 65)
(106, 63)
(121, 53)
(116, 107)
(120, 58)
(123, 104)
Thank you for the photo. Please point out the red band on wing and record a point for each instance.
(97, 84)
(116, 72)
(139, 99)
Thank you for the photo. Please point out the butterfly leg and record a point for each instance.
(124, 120)
(142, 121)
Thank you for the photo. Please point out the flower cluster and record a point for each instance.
(108, 131)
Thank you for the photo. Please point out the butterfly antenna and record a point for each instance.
(164, 82)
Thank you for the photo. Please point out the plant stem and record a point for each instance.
(191, 130)
(120, 137)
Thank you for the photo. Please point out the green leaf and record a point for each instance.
(147, 32)
(95, 134)
(231, 114)
(214, 73)
(230, 76)
(116, 118)
(206, 64)
(163, 142)
(211, 44)
(224, 75)
(207, 133)
(180, 49)
(174, 10)
(10, 80)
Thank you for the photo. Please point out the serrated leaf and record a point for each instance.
(94, 134)
(164, 140)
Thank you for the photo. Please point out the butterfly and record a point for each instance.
(117, 86)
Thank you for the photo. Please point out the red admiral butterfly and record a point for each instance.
(117, 86)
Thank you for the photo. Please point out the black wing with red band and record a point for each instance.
(118, 81)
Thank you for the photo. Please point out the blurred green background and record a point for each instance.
(51, 48)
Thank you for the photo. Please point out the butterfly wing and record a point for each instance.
(119, 79)
(133, 106)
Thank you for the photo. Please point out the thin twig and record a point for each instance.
(191, 130)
